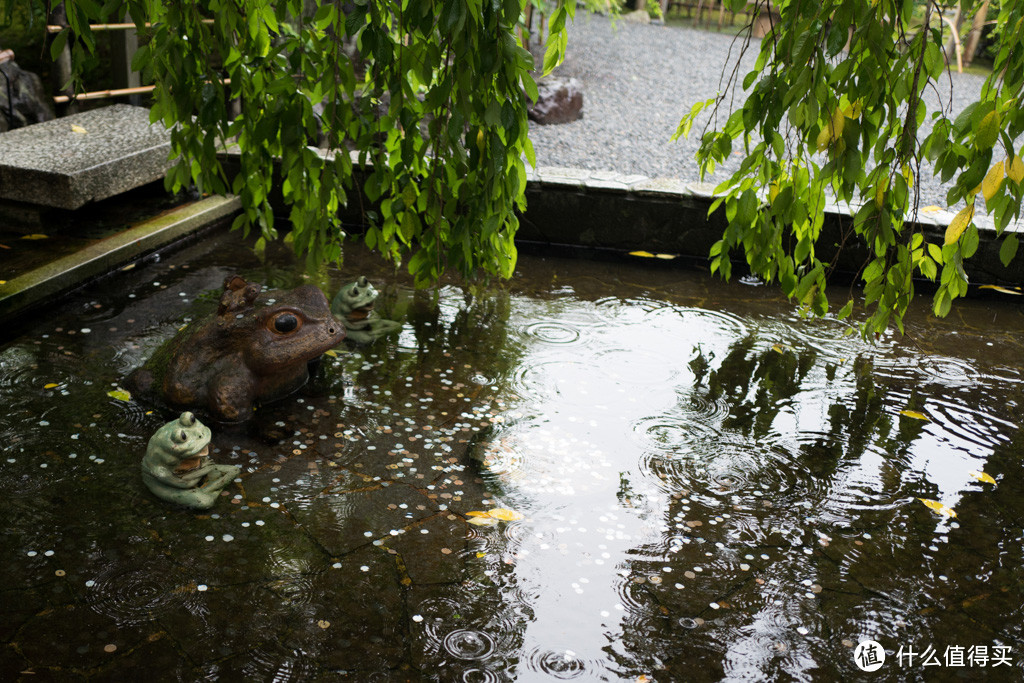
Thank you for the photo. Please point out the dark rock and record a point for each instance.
(559, 100)
(25, 91)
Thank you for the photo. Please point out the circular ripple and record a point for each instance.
(671, 434)
(949, 370)
(564, 665)
(481, 676)
(553, 332)
(134, 596)
(468, 644)
(700, 324)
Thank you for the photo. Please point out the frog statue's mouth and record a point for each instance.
(193, 462)
(360, 314)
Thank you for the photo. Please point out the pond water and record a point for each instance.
(683, 481)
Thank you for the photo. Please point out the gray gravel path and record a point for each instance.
(638, 81)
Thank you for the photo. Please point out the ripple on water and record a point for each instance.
(699, 325)
(468, 644)
(561, 664)
(270, 661)
(135, 596)
(554, 332)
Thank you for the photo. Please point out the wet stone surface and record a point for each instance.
(598, 471)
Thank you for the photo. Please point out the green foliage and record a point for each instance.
(833, 109)
(429, 95)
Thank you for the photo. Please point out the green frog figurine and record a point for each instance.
(353, 304)
(177, 465)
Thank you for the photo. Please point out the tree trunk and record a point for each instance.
(975, 35)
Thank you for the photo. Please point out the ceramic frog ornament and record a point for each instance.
(177, 467)
(256, 347)
(353, 304)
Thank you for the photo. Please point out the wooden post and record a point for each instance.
(975, 35)
(61, 75)
(124, 44)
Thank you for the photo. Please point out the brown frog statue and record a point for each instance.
(254, 348)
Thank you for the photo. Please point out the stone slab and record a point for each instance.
(68, 162)
(42, 284)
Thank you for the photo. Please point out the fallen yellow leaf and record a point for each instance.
(1004, 290)
(506, 515)
(482, 521)
(931, 209)
(478, 513)
(51, 385)
(666, 257)
(331, 352)
(120, 395)
(75, 128)
(981, 476)
(939, 507)
(3, 282)
(915, 415)
(645, 254)
(323, 623)
(35, 236)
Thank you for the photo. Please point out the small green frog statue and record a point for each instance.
(353, 305)
(177, 465)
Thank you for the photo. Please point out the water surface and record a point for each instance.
(693, 483)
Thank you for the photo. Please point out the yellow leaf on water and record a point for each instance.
(323, 623)
(959, 224)
(1004, 290)
(981, 476)
(482, 521)
(51, 385)
(479, 555)
(915, 415)
(666, 257)
(331, 352)
(505, 515)
(120, 395)
(35, 236)
(645, 254)
(478, 513)
(75, 128)
(993, 181)
(939, 507)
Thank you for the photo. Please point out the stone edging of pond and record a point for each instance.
(38, 286)
(608, 210)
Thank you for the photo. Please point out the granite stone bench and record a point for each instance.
(68, 162)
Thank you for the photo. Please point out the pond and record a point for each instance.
(596, 471)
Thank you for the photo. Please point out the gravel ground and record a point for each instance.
(639, 79)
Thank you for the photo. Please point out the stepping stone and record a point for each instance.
(68, 162)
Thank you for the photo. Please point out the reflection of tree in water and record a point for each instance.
(768, 583)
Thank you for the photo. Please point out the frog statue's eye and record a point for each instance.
(180, 436)
(284, 323)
